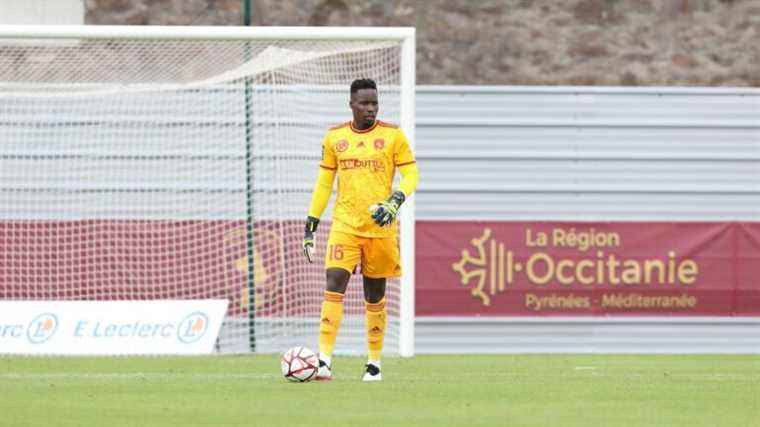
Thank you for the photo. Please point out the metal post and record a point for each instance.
(247, 12)
(249, 190)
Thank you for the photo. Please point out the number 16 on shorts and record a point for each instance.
(379, 257)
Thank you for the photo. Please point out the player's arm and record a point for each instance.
(320, 196)
(321, 193)
(386, 212)
(410, 177)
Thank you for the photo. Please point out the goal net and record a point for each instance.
(143, 163)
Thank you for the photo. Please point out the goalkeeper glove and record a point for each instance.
(308, 238)
(386, 212)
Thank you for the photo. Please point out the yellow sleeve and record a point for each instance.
(320, 196)
(402, 154)
(410, 176)
(329, 159)
(404, 160)
(322, 192)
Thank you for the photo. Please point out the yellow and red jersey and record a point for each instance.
(365, 162)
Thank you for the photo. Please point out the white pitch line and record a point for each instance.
(132, 376)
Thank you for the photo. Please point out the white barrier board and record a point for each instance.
(110, 327)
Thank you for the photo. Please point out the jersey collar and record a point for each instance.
(369, 129)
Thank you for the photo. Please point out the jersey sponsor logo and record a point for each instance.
(341, 146)
(379, 144)
(373, 164)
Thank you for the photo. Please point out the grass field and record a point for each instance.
(524, 390)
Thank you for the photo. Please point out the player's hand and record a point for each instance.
(308, 238)
(386, 212)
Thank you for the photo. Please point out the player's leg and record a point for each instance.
(381, 260)
(330, 318)
(342, 256)
(376, 322)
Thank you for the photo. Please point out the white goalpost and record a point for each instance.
(163, 163)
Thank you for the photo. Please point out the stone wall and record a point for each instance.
(516, 42)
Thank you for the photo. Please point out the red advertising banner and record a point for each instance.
(165, 259)
(463, 268)
(145, 260)
(587, 269)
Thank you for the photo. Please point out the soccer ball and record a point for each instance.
(299, 364)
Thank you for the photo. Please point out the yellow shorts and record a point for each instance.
(379, 257)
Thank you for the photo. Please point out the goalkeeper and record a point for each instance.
(364, 154)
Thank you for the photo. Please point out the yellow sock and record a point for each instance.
(332, 314)
(376, 320)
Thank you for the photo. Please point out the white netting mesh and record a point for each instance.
(129, 170)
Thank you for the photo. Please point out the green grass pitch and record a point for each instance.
(499, 390)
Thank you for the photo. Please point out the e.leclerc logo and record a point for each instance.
(41, 328)
(193, 327)
(190, 329)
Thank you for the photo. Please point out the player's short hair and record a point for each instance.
(359, 84)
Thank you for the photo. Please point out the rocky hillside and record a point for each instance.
(516, 42)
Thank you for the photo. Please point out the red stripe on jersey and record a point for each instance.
(386, 124)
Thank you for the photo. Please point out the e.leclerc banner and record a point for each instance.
(579, 268)
(110, 327)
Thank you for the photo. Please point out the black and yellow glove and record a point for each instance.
(386, 212)
(308, 238)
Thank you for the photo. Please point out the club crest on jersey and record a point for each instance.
(360, 145)
(341, 146)
(379, 144)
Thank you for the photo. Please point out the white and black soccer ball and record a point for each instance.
(299, 364)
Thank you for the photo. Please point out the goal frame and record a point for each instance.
(406, 35)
